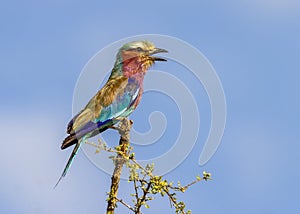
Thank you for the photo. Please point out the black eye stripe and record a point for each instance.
(139, 49)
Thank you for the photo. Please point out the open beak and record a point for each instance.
(158, 50)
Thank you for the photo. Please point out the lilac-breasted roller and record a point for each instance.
(118, 98)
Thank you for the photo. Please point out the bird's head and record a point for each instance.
(137, 56)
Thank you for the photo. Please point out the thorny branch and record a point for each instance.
(124, 129)
(144, 182)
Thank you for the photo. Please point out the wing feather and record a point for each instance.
(120, 100)
(110, 102)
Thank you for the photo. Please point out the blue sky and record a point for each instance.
(253, 46)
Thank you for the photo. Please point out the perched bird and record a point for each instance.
(117, 99)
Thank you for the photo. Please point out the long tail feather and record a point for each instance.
(71, 158)
(69, 141)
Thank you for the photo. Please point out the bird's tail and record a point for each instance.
(69, 141)
(74, 152)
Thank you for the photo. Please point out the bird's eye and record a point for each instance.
(139, 49)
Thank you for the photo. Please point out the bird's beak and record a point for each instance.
(158, 50)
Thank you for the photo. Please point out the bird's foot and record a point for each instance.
(124, 125)
(114, 128)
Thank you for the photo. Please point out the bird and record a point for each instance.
(117, 99)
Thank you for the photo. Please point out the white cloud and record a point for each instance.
(30, 166)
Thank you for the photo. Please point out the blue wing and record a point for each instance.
(88, 125)
(97, 116)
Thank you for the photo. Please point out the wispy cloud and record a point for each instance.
(30, 166)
